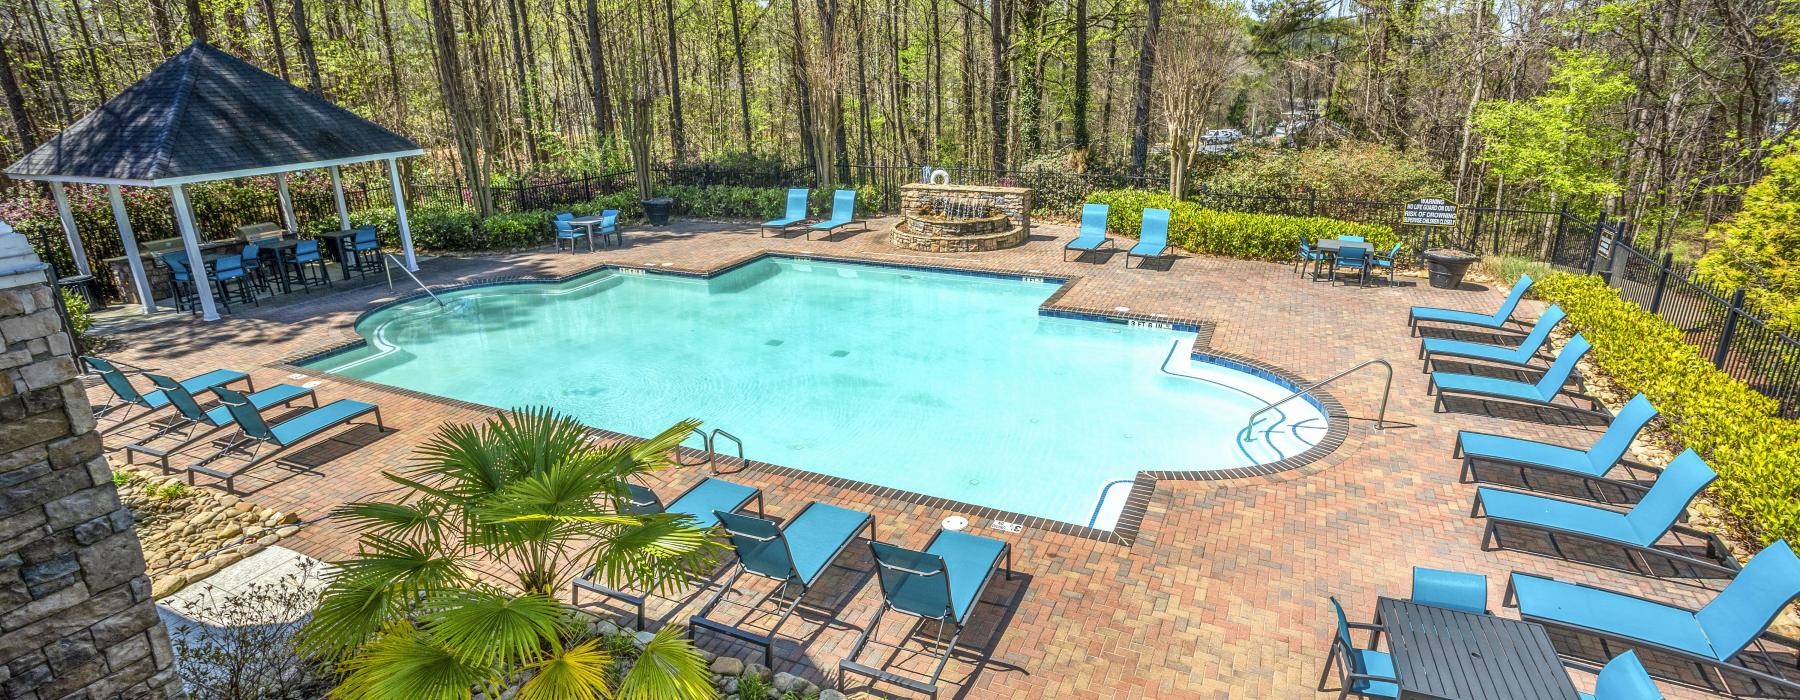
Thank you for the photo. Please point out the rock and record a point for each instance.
(707, 656)
(603, 628)
(829, 694)
(203, 518)
(230, 501)
(288, 518)
(758, 670)
(789, 683)
(643, 639)
(728, 666)
(729, 686)
(168, 585)
(230, 531)
(267, 540)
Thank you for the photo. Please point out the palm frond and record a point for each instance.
(394, 520)
(488, 627)
(575, 673)
(537, 438)
(349, 613)
(465, 458)
(656, 553)
(401, 564)
(407, 664)
(653, 454)
(670, 668)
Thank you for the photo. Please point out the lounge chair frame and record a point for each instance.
(252, 446)
(767, 642)
(1524, 468)
(1789, 686)
(850, 665)
(1541, 353)
(834, 222)
(763, 229)
(189, 431)
(105, 411)
(1721, 561)
(1412, 321)
(636, 600)
(1595, 408)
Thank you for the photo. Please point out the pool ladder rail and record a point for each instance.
(415, 278)
(709, 453)
(1380, 415)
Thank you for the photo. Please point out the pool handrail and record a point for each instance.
(409, 273)
(1380, 415)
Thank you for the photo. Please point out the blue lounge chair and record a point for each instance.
(1153, 236)
(1717, 637)
(796, 212)
(129, 398)
(1494, 320)
(698, 502)
(1636, 531)
(195, 422)
(1593, 463)
(1624, 678)
(794, 554)
(942, 583)
(1543, 392)
(566, 232)
(1455, 590)
(1093, 230)
(1520, 355)
(1367, 673)
(843, 213)
(254, 434)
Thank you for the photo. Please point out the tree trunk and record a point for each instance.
(15, 103)
(271, 17)
(809, 145)
(998, 37)
(603, 118)
(1078, 103)
(743, 77)
(303, 37)
(87, 49)
(1146, 72)
(389, 52)
(468, 136)
(529, 132)
(196, 19)
(677, 132)
(160, 26)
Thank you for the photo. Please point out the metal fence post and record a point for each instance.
(1662, 282)
(1593, 260)
(1730, 329)
(1312, 203)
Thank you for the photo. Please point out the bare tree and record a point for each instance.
(1202, 55)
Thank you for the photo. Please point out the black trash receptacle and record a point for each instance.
(1447, 266)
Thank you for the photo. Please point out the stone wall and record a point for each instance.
(1015, 202)
(76, 616)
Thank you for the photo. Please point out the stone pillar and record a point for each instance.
(76, 617)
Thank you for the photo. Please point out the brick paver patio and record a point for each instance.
(1222, 594)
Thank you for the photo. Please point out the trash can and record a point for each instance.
(1448, 265)
(657, 210)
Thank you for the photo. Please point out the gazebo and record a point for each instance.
(206, 115)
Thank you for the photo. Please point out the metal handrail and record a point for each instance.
(415, 278)
(1380, 415)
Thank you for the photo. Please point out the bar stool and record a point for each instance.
(366, 243)
(305, 262)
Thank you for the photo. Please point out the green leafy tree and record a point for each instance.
(1562, 141)
(1758, 247)
(455, 587)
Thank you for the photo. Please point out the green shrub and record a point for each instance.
(1231, 234)
(1759, 246)
(1736, 429)
(528, 229)
(1508, 268)
(1352, 170)
(81, 317)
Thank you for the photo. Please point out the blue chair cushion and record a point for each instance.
(831, 223)
(1511, 449)
(1479, 351)
(1426, 313)
(1087, 241)
(1622, 615)
(1488, 386)
(712, 495)
(217, 377)
(1558, 514)
(817, 535)
(318, 420)
(969, 559)
(1375, 663)
(789, 221)
(1149, 247)
(272, 396)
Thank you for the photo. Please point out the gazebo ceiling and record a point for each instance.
(204, 115)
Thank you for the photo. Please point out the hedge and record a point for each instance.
(1231, 234)
(1737, 430)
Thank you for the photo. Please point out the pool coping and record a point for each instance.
(1124, 532)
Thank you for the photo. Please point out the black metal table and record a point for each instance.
(1445, 654)
(281, 249)
(339, 244)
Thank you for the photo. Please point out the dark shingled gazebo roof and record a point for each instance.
(205, 112)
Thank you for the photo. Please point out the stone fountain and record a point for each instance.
(946, 218)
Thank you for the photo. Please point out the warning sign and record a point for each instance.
(1429, 211)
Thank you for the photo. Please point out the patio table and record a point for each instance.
(588, 223)
(281, 249)
(338, 244)
(1445, 654)
(1333, 245)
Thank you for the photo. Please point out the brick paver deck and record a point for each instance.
(1223, 592)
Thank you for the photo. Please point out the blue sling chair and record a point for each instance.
(1493, 321)
(1591, 465)
(1543, 392)
(1727, 640)
(1093, 230)
(129, 398)
(254, 434)
(193, 422)
(697, 503)
(843, 213)
(1637, 532)
(1153, 236)
(1454, 590)
(796, 213)
(794, 554)
(1520, 355)
(565, 231)
(1623, 678)
(1365, 673)
(942, 583)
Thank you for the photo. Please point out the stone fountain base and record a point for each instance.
(1005, 220)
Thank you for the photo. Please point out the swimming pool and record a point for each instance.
(944, 384)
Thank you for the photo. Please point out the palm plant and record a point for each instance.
(455, 587)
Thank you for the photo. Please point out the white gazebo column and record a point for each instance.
(190, 242)
(406, 246)
(337, 190)
(129, 238)
(287, 204)
(69, 231)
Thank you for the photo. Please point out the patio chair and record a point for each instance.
(609, 226)
(254, 433)
(1624, 678)
(1386, 262)
(308, 265)
(1590, 464)
(365, 248)
(251, 256)
(1153, 236)
(942, 583)
(129, 397)
(181, 280)
(565, 231)
(1352, 239)
(843, 213)
(794, 554)
(228, 274)
(1352, 257)
(1495, 320)
(1543, 392)
(1454, 590)
(195, 422)
(1714, 638)
(1309, 256)
(698, 502)
(1636, 531)
(1520, 355)
(1365, 672)
(796, 213)
(1093, 230)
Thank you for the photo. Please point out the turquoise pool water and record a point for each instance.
(944, 384)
